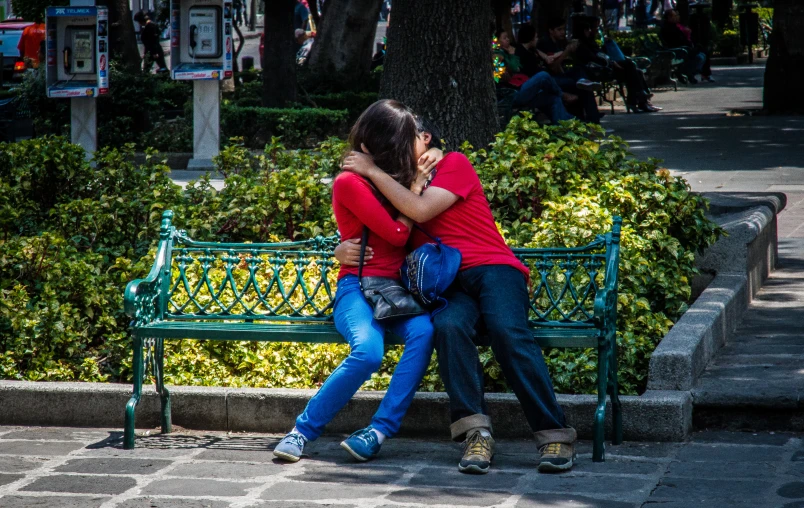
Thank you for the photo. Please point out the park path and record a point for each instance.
(757, 380)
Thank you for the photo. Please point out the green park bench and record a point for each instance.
(283, 292)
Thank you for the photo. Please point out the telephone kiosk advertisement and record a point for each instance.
(77, 51)
(201, 39)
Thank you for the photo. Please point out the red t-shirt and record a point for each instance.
(30, 40)
(468, 224)
(356, 204)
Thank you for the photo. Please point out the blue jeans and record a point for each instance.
(354, 320)
(493, 299)
(542, 92)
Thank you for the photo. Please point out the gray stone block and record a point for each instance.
(201, 488)
(150, 502)
(497, 479)
(113, 466)
(39, 448)
(236, 471)
(17, 501)
(351, 474)
(300, 491)
(722, 492)
(5, 479)
(565, 501)
(84, 484)
(459, 497)
(18, 464)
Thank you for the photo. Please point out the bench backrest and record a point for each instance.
(296, 281)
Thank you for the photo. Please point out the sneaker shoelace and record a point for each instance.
(551, 449)
(295, 439)
(368, 437)
(477, 445)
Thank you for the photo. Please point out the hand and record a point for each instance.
(429, 159)
(360, 163)
(550, 59)
(348, 252)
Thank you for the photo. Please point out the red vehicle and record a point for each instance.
(10, 33)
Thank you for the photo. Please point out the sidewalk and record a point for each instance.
(57, 467)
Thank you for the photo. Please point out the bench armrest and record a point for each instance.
(606, 309)
(141, 298)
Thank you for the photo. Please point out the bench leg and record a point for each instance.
(128, 430)
(614, 395)
(159, 372)
(598, 430)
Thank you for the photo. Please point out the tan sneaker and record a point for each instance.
(557, 448)
(477, 453)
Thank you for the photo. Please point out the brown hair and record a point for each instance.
(388, 130)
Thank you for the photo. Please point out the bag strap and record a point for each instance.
(363, 243)
(431, 237)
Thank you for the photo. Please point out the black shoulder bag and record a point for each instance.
(388, 297)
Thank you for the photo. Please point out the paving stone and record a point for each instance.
(721, 453)
(155, 502)
(747, 438)
(118, 451)
(626, 488)
(292, 504)
(236, 470)
(17, 464)
(346, 474)
(80, 484)
(721, 491)
(448, 497)
(793, 490)
(636, 449)
(794, 504)
(723, 470)
(17, 501)
(181, 486)
(113, 466)
(42, 449)
(616, 465)
(5, 479)
(237, 455)
(495, 480)
(60, 434)
(562, 501)
(798, 457)
(315, 491)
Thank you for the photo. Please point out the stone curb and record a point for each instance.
(741, 261)
(653, 416)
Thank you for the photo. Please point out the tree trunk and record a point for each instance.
(784, 71)
(502, 16)
(439, 63)
(343, 46)
(279, 59)
(122, 38)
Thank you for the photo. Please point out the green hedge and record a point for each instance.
(296, 127)
(72, 236)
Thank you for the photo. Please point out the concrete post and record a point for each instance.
(206, 123)
(83, 124)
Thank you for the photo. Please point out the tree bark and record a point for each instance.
(343, 46)
(279, 58)
(439, 63)
(784, 71)
(122, 38)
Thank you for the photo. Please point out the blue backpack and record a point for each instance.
(429, 270)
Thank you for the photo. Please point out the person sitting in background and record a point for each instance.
(676, 35)
(588, 52)
(539, 91)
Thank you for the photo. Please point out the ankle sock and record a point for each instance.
(380, 436)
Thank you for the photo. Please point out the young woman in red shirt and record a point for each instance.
(387, 129)
(490, 292)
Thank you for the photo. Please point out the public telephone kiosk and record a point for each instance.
(77, 51)
(77, 55)
(201, 39)
(201, 51)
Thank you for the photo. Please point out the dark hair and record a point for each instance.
(668, 13)
(498, 33)
(526, 34)
(554, 23)
(423, 124)
(140, 17)
(388, 130)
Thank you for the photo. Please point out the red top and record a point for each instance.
(30, 40)
(468, 224)
(355, 204)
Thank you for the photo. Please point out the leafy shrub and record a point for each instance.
(297, 127)
(74, 235)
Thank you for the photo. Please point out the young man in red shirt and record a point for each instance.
(30, 42)
(491, 290)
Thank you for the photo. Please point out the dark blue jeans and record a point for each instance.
(492, 300)
(542, 92)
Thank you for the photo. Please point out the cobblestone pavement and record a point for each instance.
(77, 467)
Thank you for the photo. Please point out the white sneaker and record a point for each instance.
(590, 86)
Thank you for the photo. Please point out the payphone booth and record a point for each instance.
(201, 51)
(77, 47)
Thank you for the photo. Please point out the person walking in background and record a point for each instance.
(149, 35)
(32, 38)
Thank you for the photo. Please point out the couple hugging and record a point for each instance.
(405, 181)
